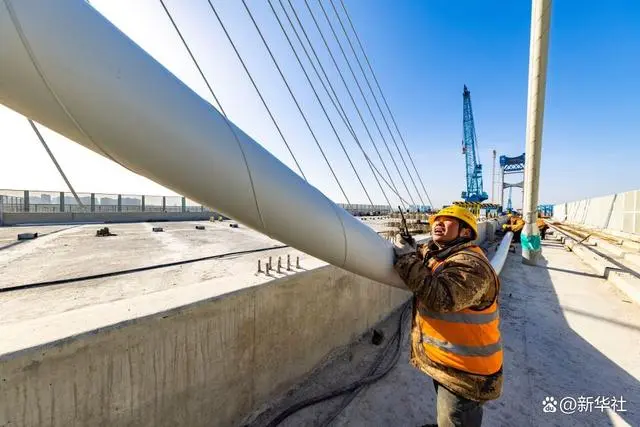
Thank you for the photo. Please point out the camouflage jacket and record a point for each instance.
(462, 282)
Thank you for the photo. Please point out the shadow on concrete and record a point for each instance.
(564, 270)
(602, 318)
(545, 356)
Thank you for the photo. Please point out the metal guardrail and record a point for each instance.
(37, 201)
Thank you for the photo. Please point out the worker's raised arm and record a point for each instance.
(458, 283)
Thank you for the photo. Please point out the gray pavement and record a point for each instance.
(34, 316)
(567, 334)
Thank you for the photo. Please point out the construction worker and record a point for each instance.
(515, 224)
(542, 226)
(455, 336)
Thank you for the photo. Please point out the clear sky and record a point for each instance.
(422, 52)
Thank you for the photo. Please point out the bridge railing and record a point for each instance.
(37, 201)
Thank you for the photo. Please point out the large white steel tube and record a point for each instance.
(539, 49)
(65, 66)
(500, 257)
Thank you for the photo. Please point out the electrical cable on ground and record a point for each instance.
(336, 102)
(396, 336)
(135, 270)
(324, 110)
(273, 119)
(385, 100)
(295, 100)
(357, 385)
(355, 104)
(375, 121)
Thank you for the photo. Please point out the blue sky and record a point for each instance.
(422, 52)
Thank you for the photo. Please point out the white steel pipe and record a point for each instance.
(499, 258)
(538, 53)
(65, 66)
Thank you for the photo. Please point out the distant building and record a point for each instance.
(108, 201)
(131, 201)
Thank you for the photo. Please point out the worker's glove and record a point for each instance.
(401, 247)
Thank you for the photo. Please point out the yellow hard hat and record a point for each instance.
(509, 215)
(460, 213)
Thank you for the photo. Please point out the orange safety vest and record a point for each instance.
(467, 340)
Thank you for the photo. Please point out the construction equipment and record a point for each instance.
(474, 191)
(104, 232)
(27, 236)
(510, 166)
(545, 211)
(515, 225)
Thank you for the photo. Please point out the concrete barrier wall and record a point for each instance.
(101, 217)
(487, 230)
(208, 364)
(482, 233)
(492, 226)
(616, 212)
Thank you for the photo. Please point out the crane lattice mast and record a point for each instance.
(474, 191)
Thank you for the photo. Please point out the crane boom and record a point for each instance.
(474, 191)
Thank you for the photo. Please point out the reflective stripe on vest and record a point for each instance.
(467, 340)
(459, 317)
(464, 350)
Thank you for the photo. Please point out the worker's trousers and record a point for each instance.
(456, 411)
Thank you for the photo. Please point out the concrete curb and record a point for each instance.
(621, 278)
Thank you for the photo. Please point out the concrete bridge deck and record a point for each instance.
(193, 344)
(567, 333)
(71, 251)
(203, 344)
